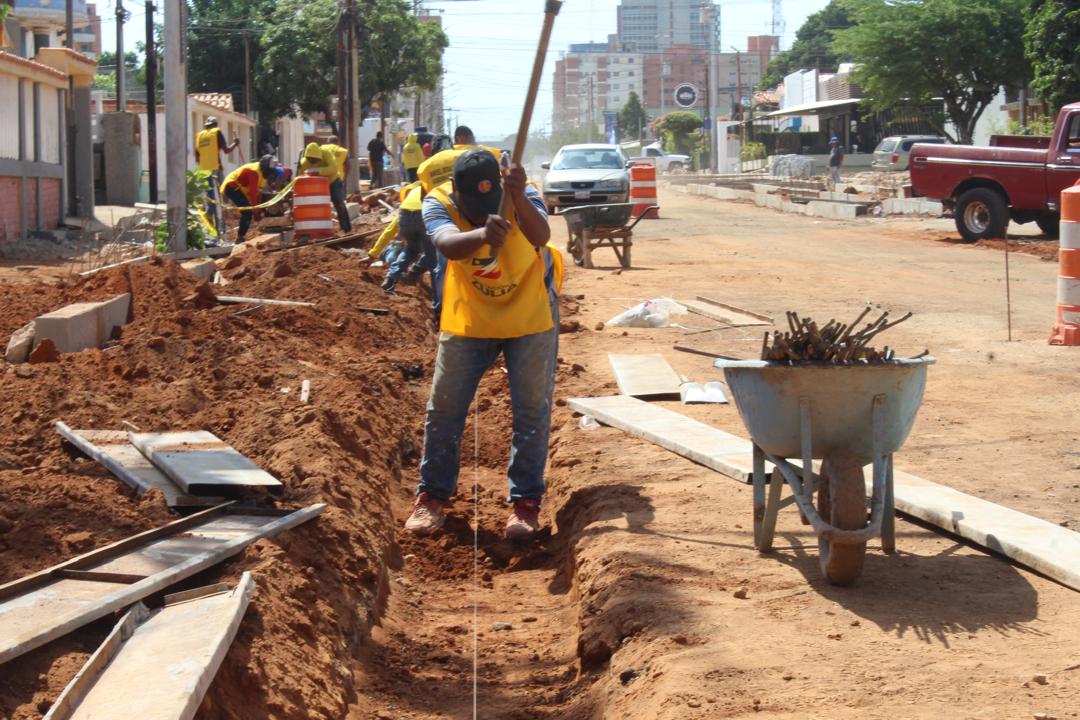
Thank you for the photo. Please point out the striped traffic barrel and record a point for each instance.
(643, 189)
(312, 210)
(1067, 325)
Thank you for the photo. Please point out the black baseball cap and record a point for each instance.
(478, 183)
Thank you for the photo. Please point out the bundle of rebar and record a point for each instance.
(835, 343)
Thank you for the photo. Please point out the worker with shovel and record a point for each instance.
(500, 298)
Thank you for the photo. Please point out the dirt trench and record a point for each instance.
(350, 618)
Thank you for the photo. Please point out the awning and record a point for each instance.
(813, 108)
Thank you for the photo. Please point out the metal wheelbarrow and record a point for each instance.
(596, 226)
(845, 415)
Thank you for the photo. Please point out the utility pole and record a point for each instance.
(151, 102)
(352, 182)
(738, 80)
(714, 135)
(176, 136)
(121, 84)
(247, 73)
(69, 24)
(590, 114)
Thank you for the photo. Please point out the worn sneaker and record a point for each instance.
(427, 515)
(524, 521)
(388, 285)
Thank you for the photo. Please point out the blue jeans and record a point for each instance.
(416, 243)
(438, 277)
(459, 365)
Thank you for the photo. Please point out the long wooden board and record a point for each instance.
(112, 449)
(46, 605)
(645, 375)
(723, 313)
(1031, 541)
(201, 463)
(715, 449)
(182, 644)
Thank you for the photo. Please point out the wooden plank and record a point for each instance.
(1030, 541)
(185, 642)
(645, 375)
(1040, 545)
(724, 313)
(112, 449)
(200, 462)
(58, 606)
(708, 446)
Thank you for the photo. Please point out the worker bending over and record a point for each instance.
(500, 298)
(407, 224)
(332, 162)
(244, 185)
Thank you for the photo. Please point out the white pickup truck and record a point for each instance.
(664, 163)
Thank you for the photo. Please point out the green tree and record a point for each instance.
(813, 46)
(633, 120)
(216, 33)
(911, 52)
(1052, 45)
(396, 50)
(676, 127)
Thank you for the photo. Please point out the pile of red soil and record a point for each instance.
(180, 366)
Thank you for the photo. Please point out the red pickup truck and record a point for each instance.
(1016, 177)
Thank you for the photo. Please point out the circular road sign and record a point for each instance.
(686, 95)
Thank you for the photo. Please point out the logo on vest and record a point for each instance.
(489, 268)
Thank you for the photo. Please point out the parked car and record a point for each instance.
(893, 152)
(586, 175)
(664, 162)
(1015, 178)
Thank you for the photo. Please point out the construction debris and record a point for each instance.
(189, 636)
(201, 463)
(836, 343)
(48, 604)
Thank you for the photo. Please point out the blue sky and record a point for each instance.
(492, 44)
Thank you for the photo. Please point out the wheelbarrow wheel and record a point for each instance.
(841, 502)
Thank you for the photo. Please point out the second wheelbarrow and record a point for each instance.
(596, 226)
(844, 415)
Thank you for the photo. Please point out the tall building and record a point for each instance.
(652, 25)
(666, 71)
(590, 79)
(429, 104)
(765, 47)
(36, 24)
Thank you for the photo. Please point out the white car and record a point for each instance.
(893, 152)
(586, 175)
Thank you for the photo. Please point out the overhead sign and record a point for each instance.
(686, 95)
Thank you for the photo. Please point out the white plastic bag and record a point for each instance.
(653, 313)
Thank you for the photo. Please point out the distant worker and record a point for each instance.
(209, 144)
(463, 137)
(332, 162)
(836, 160)
(375, 150)
(244, 185)
(411, 156)
(501, 298)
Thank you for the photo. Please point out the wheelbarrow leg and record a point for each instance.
(772, 509)
(758, 479)
(586, 250)
(888, 518)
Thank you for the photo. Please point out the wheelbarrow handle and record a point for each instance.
(643, 215)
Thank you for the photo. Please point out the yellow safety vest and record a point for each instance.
(206, 142)
(339, 154)
(412, 155)
(495, 297)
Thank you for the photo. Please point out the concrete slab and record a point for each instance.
(833, 210)
(202, 269)
(82, 325)
(200, 463)
(911, 206)
(645, 375)
(20, 344)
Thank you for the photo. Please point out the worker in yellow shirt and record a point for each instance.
(411, 156)
(209, 144)
(332, 162)
(410, 227)
(500, 298)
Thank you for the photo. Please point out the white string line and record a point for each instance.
(476, 553)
